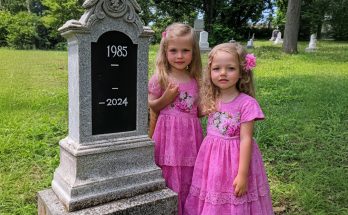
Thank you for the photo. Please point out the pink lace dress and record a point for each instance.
(177, 136)
(217, 164)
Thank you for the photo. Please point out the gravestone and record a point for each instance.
(107, 160)
(203, 42)
(250, 43)
(232, 41)
(312, 46)
(279, 39)
(198, 27)
(274, 34)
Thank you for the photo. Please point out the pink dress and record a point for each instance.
(217, 164)
(177, 136)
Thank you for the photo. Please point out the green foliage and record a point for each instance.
(316, 14)
(222, 34)
(338, 20)
(13, 6)
(5, 18)
(57, 13)
(22, 31)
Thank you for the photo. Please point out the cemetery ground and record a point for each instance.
(304, 139)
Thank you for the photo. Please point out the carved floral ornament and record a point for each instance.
(99, 9)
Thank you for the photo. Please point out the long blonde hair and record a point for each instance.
(162, 65)
(209, 92)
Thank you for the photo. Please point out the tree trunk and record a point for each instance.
(209, 14)
(292, 26)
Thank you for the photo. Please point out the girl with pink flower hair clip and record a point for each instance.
(229, 175)
(173, 95)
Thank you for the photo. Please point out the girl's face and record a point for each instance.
(225, 71)
(179, 53)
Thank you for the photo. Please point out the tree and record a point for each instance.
(338, 16)
(292, 26)
(57, 13)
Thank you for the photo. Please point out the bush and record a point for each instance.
(221, 33)
(22, 31)
(26, 31)
(5, 18)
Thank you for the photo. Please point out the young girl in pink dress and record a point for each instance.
(229, 175)
(173, 93)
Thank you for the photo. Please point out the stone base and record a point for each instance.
(93, 174)
(153, 203)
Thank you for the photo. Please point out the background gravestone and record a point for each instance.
(106, 161)
(203, 42)
(312, 46)
(198, 27)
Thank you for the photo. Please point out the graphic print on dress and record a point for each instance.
(226, 123)
(184, 102)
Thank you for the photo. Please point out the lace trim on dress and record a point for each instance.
(171, 161)
(219, 198)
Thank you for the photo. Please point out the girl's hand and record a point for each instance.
(240, 185)
(171, 93)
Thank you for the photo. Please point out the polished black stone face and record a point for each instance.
(114, 83)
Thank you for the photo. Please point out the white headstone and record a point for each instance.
(278, 40)
(250, 44)
(203, 41)
(274, 35)
(312, 46)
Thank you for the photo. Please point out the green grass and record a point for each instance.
(303, 139)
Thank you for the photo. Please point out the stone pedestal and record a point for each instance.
(105, 171)
(162, 202)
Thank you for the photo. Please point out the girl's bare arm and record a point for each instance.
(241, 181)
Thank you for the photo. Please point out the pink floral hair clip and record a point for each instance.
(250, 62)
(164, 34)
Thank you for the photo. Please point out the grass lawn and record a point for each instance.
(304, 139)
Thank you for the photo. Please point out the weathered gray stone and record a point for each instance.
(96, 169)
(161, 202)
(203, 41)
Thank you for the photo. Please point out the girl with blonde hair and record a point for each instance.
(229, 176)
(173, 94)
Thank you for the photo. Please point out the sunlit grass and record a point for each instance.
(303, 139)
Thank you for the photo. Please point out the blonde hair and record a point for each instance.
(209, 92)
(162, 65)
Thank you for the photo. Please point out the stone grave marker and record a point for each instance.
(203, 42)
(107, 160)
(312, 46)
(279, 39)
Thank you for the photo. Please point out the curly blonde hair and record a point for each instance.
(162, 65)
(209, 92)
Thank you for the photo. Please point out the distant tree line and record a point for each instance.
(27, 24)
